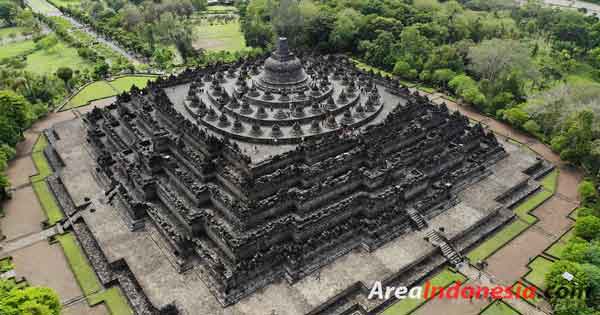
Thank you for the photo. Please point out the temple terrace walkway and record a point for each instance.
(34, 258)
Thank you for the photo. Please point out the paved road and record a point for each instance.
(51, 10)
(593, 9)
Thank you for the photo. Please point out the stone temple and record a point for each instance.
(279, 185)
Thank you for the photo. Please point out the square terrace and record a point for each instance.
(149, 259)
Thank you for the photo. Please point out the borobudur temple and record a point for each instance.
(244, 175)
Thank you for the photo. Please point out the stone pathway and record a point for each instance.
(35, 259)
(15, 244)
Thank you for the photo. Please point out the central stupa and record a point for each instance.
(282, 69)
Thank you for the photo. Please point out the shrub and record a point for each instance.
(588, 227)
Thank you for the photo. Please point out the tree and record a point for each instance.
(588, 228)
(8, 11)
(347, 25)
(101, 70)
(516, 116)
(575, 139)
(130, 17)
(587, 191)
(493, 64)
(382, 51)
(14, 109)
(27, 301)
(555, 279)
(47, 42)
(442, 76)
(288, 21)
(162, 56)
(65, 74)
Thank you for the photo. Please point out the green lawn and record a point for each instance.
(219, 37)
(44, 169)
(48, 202)
(519, 286)
(40, 144)
(499, 308)
(103, 89)
(48, 61)
(494, 243)
(530, 204)
(557, 248)
(85, 275)
(114, 299)
(124, 84)
(550, 181)
(6, 31)
(222, 8)
(540, 266)
(93, 91)
(87, 279)
(43, 193)
(445, 278)
(16, 48)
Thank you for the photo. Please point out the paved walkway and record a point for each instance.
(19, 243)
(107, 41)
(35, 259)
(509, 264)
(592, 9)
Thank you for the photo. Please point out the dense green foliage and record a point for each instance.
(524, 64)
(581, 258)
(16, 113)
(19, 300)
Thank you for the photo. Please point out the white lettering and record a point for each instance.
(376, 290)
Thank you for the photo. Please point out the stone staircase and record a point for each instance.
(416, 218)
(448, 251)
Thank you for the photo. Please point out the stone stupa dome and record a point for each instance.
(282, 69)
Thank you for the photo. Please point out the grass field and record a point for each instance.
(540, 266)
(47, 62)
(41, 189)
(499, 308)
(44, 169)
(219, 37)
(40, 144)
(530, 204)
(93, 91)
(114, 299)
(494, 243)
(87, 279)
(16, 48)
(39, 159)
(6, 31)
(525, 219)
(550, 181)
(85, 275)
(48, 202)
(403, 307)
(104, 89)
(557, 248)
(124, 84)
(222, 8)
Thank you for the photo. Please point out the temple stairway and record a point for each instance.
(416, 218)
(447, 250)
